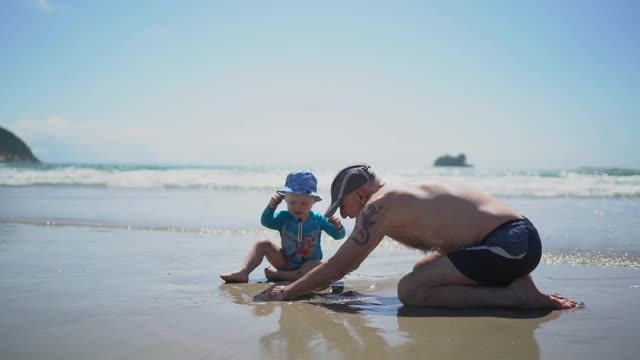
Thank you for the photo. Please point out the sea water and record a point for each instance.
(585, 216)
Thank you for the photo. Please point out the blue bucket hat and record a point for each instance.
(302, 183)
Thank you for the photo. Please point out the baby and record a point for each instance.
(299, 228)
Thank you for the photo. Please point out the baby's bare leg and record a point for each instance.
(290, 275)
(259, 251)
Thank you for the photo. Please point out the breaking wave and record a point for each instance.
(581, 183)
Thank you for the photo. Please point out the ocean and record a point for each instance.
(122, 262)
(585, 216)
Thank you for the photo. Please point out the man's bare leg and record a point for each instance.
(260, 249)
(436, 282)
(291, 275)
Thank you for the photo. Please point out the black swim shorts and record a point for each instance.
(510, 251)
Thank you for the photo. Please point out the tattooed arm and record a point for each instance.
(366, 235)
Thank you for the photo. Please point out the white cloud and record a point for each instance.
(74, 131)
(90, 141)
(275, 138)
(43, 5)
(106, 141)
(279, 138)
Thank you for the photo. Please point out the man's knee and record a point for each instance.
(418, 265)
(426, 260)
(410, 293)
(407, 290)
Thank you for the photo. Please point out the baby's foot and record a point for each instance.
(271, 274)
(281, 275)
(236, 277)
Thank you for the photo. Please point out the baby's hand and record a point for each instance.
(335, 221)
(276, 200)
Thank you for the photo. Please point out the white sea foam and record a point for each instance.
(570, 183)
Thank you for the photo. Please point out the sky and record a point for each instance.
(512, 84)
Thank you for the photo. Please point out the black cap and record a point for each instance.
(347, 181)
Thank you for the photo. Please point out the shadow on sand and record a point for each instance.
(350, 324)
(353, 302)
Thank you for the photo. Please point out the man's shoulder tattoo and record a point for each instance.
(361, 237)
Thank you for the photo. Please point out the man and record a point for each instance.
(481, 251)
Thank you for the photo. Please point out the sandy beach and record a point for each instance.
(72, 292)
(141, 142)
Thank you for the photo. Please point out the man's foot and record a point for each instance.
(236, 277)
(531, 298)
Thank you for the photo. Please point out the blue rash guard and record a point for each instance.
(300, 241)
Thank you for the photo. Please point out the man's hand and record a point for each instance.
(335, 221)
(276, 200)
(274, 293)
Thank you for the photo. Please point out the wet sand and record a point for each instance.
(82, 293)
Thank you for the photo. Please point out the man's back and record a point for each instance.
(441, 215)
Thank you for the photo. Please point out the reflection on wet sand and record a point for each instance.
(306, 330)
(353, 325)
(457, 333)
(485, 333)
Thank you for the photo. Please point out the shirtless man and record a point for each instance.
(481, 251)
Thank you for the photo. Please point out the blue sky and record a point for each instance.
(518, 84)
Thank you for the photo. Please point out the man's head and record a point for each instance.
(346, 182)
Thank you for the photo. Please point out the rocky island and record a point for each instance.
(12, 149)
(447, 160)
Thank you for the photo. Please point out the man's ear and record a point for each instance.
(362, 196)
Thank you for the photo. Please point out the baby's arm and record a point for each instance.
(276, 199)
(335, 221)
(269, 218)
(333, 227)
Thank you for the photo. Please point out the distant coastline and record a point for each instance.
(448, 160)
(13, 149)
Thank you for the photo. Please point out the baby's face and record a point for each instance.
(299, 205)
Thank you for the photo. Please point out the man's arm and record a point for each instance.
(366, 235)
